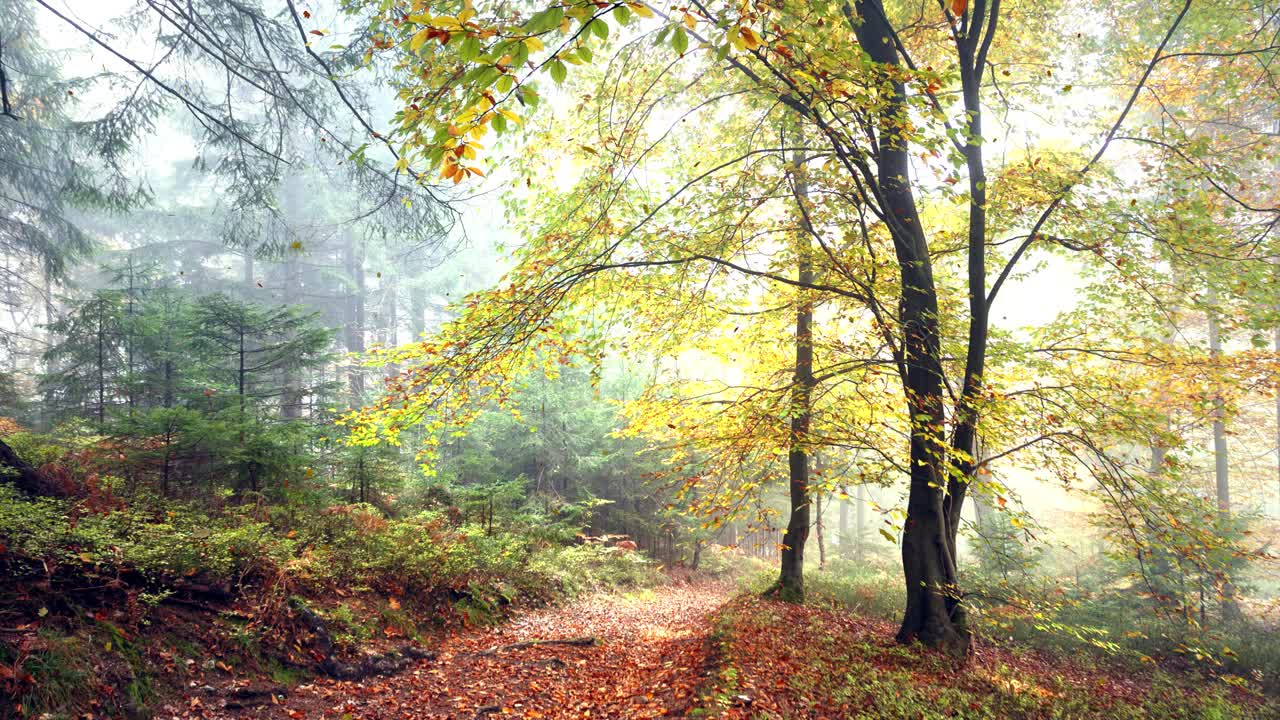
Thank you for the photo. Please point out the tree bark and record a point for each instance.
(933, 614)
(790, 585)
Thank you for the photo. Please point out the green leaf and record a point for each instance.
(888, 536)
(680, 40)
(519, 54)
(548, 19)
(505, 83)
(600, 28)
(470, 49)
(623, 14)
(558, 71)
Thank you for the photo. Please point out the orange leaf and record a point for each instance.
(958, 7)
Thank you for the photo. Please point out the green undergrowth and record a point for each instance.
(776, 660)
(111, 602)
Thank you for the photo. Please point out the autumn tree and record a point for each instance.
(863, 81)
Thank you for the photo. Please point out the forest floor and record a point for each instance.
(699, 650)
(648, 654)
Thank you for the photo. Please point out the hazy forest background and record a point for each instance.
(393, 358)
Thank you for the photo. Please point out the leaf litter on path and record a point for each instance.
(649, 657)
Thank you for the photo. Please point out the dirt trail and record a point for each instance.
(650, 657)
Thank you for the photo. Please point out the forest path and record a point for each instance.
(650, 657)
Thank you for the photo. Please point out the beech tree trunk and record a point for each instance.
(790, 586)
(933, 614)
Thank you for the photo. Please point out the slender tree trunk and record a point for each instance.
(355, 317)
(1222, 480)
(102, 360)
(818, 530)
(417, 312)
(129, 327)
(790, 585)
(45, 415)
(844, 539)
(247, 271)
(291, 395)
(860, 542)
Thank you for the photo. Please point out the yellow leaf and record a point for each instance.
(640, 9)
(690, 21)
(533, 43)
(419, 39)
(749, 38)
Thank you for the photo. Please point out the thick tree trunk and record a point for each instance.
(934, 614)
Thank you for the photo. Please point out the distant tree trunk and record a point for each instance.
(291, 396)
(844, 525)
(1222, 479)
(1277, 346)
(790, 585)
(417, 312)
(860, 541)
(247, 470)
(355, 318)
(102, 360)
(247, 270)
(45, 416)
(818, 527)
(129, 328)
(390, 313)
